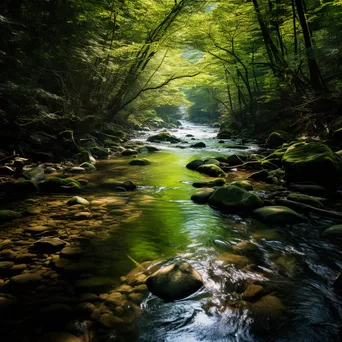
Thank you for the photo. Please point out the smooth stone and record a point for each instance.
(115, 299)
(37, 229)
(77, 200)
(77, 170)
(202, 196)
(33, 210)
(5, 267)
(49, 245)
(175, 281)
(83, 215)
(25, 281)
(136, 297)
(71, 252)
(278, 214)
(252, 291)
(233, 259)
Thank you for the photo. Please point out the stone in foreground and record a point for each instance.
(174, 282)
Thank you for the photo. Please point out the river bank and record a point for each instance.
(250, 268)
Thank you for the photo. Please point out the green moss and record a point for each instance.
(306, 199)
(243, 184)
(312, 161)
(233, 198)
(89, 167)
(276, 139)
(212, 183)
(57, 184)
(211, 170)
(278, 214)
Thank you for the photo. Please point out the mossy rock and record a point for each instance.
(243, 184)
(198, 145)
(148, 148)
(259, 176)
(202, 196)
(113, 184)
(334, 231)
(276, 156)
(233, 198)
(225, 134)
(140, 162)
(57, 184)
(268, 164)
(234, 160)
(24, 186)
(313, 162)
(8, 215)
(129, 152)
(163, 136)
(306, 199)
(82, 157)
(276, 139)
(35, 174)
(278, 214)
(211, 170)
(211, 161)
(101, 152)
(210, 184)
(278, 173)
(89, 167)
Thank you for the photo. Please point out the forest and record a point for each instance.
(70, 65)
(170, 170)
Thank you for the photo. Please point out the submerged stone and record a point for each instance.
(174, 282)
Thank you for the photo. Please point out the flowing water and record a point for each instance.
(293, 263)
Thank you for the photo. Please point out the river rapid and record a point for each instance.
(158, 222)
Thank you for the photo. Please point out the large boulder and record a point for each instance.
(276, 139)
(163, 136)
(233, 198)
(193, 165)
(174, 282)
(198, 145)
(313, 162)
(211, 170)
(278, 214)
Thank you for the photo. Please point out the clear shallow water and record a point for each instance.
(159, 222)
(294, 263)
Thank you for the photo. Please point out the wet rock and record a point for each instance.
(276, 139)
(309, 189)
(115, 299)
(33, 210)
(174, 282)
(89, 167)
(49, 170)
(113, 184)
(25, 281)
(261, 175)
(163, 136)
(234, 160)
(140, 162)
(252, 291)
(313, 162)
(56, 184)
(198, 145)
(225, 134)
(233, 259)
(202, 196)
(148, 148)
(129, 152)
(78, 200)
(193, 165)
(247, 248)
(49, 245)
(35, 174)
(267, 313)
(8, 215)
(5, 243)
(25, 257)
(233, 198)
(136, 297)
(278, 214)
(287, 265)
(124, 288)
(334, 231)
(243, 184)
(5, 267)
(210, 184)
(77, 170)
(37, 229)
(306, 199)
(211, 170)
(8, 254)
(71, 252)
(83, 215)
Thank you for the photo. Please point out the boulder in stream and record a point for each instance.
(211, 170)
(278, 214)
(163, 136)
(175, 281)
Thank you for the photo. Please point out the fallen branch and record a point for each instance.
(306, 207)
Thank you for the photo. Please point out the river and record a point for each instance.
(159, 222)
